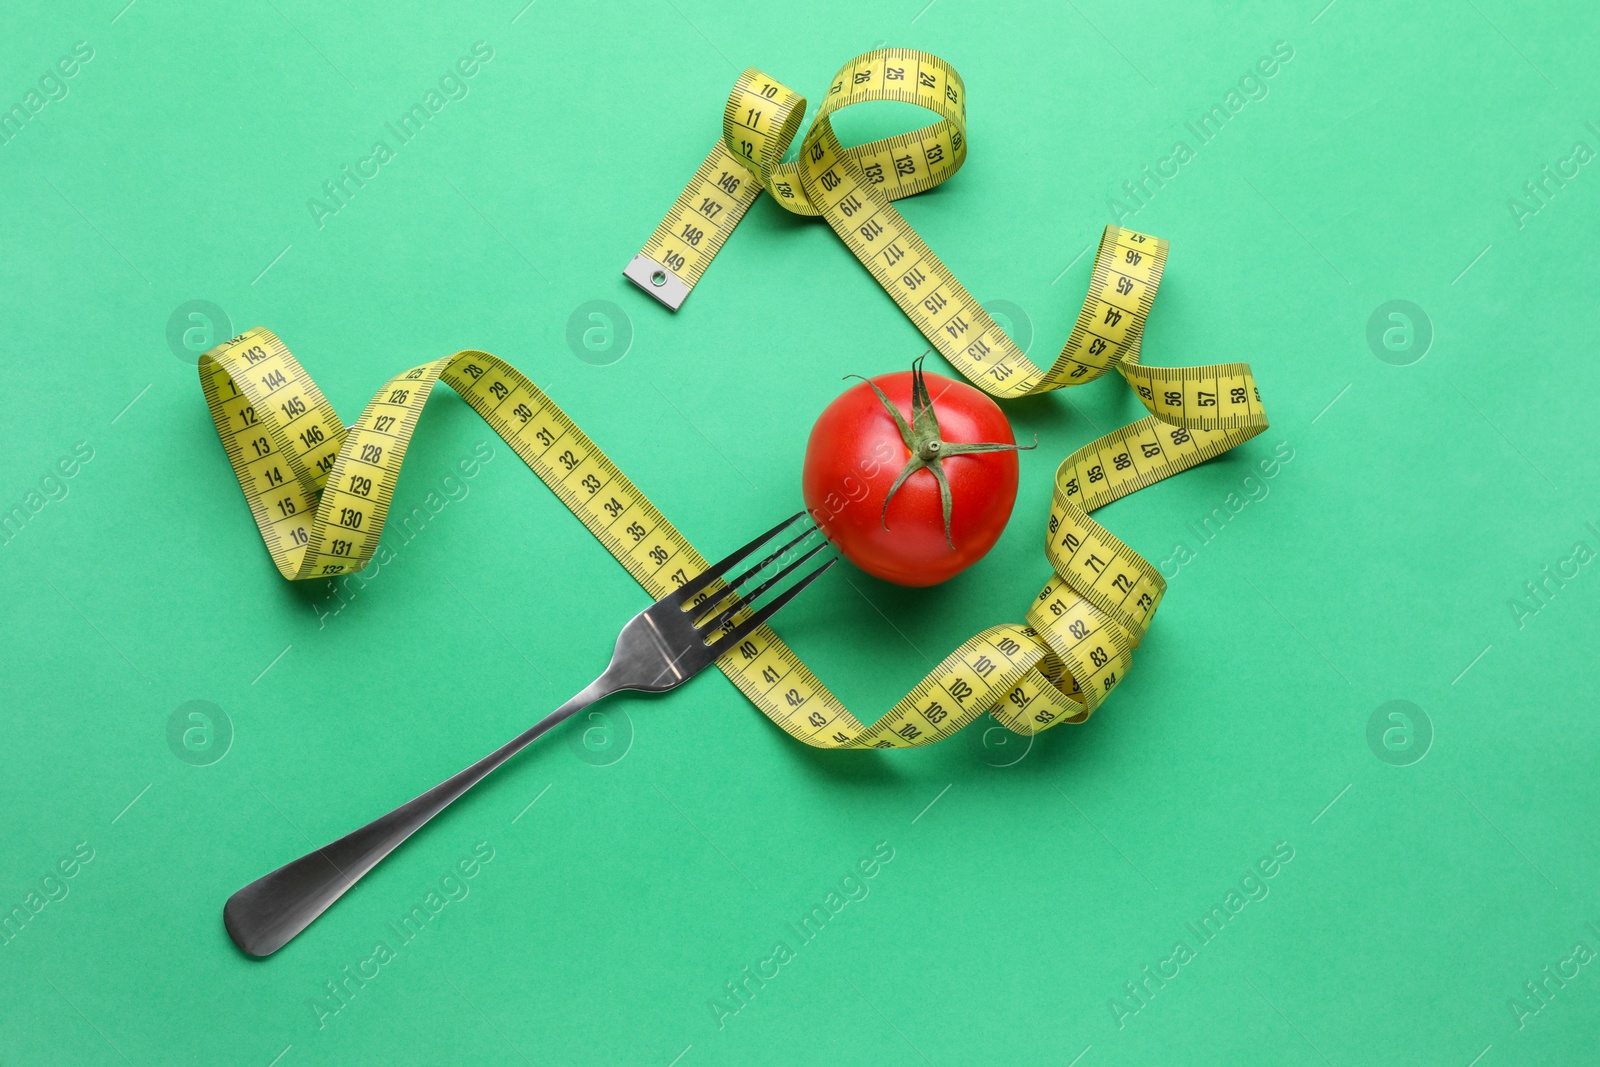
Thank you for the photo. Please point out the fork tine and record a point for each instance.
(743, 629)
(746, 599)
(732, 586)
(717, 570)
(776, 555)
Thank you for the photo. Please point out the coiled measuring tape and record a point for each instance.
(1095, 610)
(320, 493)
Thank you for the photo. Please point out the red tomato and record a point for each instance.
(858, 449)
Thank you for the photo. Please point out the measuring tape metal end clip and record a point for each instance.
(656, 280)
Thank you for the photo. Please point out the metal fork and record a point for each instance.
(660, 648)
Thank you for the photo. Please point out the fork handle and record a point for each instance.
(264, 915)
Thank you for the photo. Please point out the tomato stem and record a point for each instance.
(922, 440)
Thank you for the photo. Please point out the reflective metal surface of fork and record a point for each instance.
(661, 647)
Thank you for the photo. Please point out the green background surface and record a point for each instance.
(1381, 564)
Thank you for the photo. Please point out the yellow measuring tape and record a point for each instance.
(320, 492)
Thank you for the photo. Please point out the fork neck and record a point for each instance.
(598, 689)
(595, 691)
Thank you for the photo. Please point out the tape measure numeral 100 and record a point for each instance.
(320, 492)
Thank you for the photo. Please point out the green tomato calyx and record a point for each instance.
(928, 451)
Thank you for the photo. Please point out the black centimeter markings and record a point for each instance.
(947, 112)
(702, 185)
(1061, 612)
(393, 455)
(948, 130)
(917, 138)
(1092, 671)
(926, 67)
(417, 384)
(1086, 534)
(908, 299)
(950, 121)
(324, 438)
(1105, 628)
(281, 443)
(1157, 251)
(741, 84)
(278, 374)
(1215, 375)
(902, 187)
(231, 445)
(1093, 310)
(914, 304)
(1116, 609)
(975, 657)
(1172, 463)
(840, 715)
(319, 548)
(732, 211)
(1095, 595)
(571, 438)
